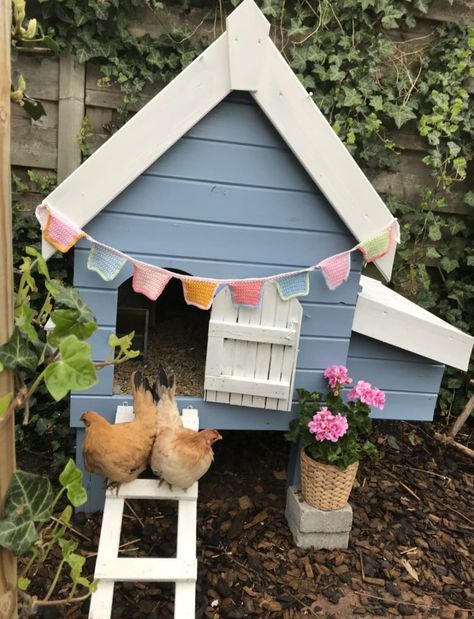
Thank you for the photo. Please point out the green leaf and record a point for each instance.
(74, 370)
(29, 499)
(67, 322)
(401, 114)
(469, 198)
(41, 262)
(434, 232)
(432, 252)
(23, 319)
(71, 479)
(4, 402)
(17, 353)
(393, 443)
(23, 583)
(449, 264)
(123, 344)
(69, 297)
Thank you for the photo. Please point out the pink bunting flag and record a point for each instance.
(247, 292)
(149, 280)
(336, 269)
(57, 229)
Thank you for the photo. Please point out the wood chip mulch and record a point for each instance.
(410, 552)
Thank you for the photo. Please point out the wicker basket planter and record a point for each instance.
(325, 486)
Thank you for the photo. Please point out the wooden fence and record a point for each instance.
(70, 92)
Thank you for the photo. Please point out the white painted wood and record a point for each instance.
(296, 117)
(264, 348)
(144, 138)
(149, 489)
(253, 333)
(388, 317)
(295, 315)
(145, 569)
(249, 386)
(182, 570)
(247, 30)
(259, 369)
(101, 599)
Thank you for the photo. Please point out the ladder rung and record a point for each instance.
(149, 489)
(146, 570)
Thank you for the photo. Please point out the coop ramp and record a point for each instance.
(181, 570)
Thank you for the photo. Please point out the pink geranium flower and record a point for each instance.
(337, 375)
(327, 427)
(367, 394)
(378, 398)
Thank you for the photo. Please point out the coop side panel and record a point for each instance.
(411, 382)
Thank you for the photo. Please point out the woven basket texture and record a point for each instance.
(325, 486)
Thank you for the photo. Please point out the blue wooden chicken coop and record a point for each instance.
(232, 173)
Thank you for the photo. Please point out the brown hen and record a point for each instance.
(121, 451)
(180, 456)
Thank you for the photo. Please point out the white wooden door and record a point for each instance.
(251, 353)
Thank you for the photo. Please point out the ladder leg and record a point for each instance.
(185, 592)
(101, 599)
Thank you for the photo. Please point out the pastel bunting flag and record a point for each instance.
(57, 229)
(293, 286)
(377, 246)
(336, 269)
(105, 262)
(149, 280)
(247, 292)
(199, 293)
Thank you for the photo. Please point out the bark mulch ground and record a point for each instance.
(410, 551)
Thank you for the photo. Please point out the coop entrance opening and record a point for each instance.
(167, 331)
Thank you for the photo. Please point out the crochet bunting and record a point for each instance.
(336, 269)
(57, 229)
(104, 262)
(293, 286)
(199, 293)
(149, 280)
(377, 246)
(247, 292)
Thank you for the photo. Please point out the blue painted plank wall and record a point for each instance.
(411, 382)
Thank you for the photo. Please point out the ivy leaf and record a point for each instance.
(71, 479)
(432, 252)
(434, 232)
(400, 114)
(74, 371)
(67, 322)
(23, 321)
(449, 264)
(23, 583)
(29, 499)
(17, 352)
(41, 262)
(69, 297)
(123, 344)
(469, 198)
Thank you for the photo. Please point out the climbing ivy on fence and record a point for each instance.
(372, 71)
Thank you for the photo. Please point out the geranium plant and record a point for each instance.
(334, 428)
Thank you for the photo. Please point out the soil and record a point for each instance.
(410, 550)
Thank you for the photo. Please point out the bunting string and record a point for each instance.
(151, 280)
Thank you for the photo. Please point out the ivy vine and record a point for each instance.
(371, 69)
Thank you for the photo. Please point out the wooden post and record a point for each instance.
(72, 83)
(8, 606)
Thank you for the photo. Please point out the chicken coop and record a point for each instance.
(219, 219)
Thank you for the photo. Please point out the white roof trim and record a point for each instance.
(385, 315)
(242, 58)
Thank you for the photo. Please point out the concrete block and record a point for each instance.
(320, 541)
(309, 520)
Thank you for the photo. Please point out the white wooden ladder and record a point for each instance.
(181, 570)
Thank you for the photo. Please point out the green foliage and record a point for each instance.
(28, 526)
(29, 500)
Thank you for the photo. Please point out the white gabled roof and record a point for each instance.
(386, 316)
(242, 58)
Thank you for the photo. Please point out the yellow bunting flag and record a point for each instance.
(199, 293)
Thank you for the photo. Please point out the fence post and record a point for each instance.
(8, 606)
(72, 79)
